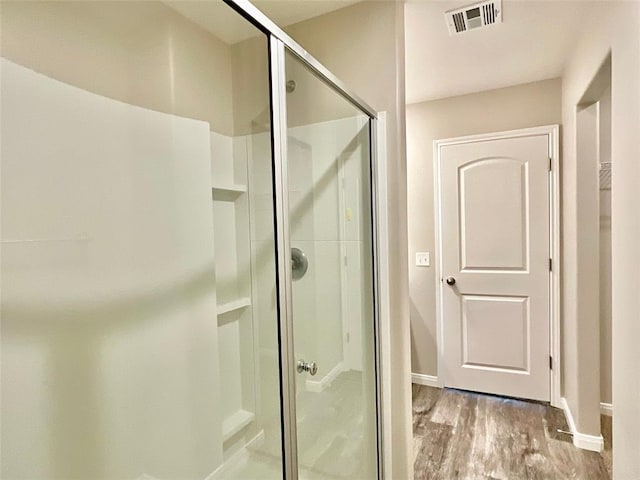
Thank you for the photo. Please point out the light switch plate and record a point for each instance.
(422, 259)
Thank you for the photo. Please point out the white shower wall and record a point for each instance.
(125, 360)
(325, 162)
(108, 299)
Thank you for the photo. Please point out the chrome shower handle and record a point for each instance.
(299, 263)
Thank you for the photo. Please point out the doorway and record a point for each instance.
(495, 199)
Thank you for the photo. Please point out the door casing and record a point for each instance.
(552, 132)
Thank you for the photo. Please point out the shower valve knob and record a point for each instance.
(310, 367)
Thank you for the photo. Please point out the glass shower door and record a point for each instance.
(329, 201)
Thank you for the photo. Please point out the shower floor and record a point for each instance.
(330, 437)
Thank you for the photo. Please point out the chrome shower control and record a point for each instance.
(299, 263)
(310, 367)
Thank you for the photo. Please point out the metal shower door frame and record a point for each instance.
(279, 44)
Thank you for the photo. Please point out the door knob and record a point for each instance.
(310, 367)
(450, 281)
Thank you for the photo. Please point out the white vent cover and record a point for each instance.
(474, 16)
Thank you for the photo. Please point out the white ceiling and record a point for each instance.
(218, 18)
(533, 43)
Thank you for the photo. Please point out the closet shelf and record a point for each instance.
(234, 305)
(236, 422)
(228, 193)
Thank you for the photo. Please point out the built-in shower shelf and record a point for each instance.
(228, 193)
(235, 305)
(235, 423)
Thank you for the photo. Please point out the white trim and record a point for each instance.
(384, 314)
(552, 131)
(555, 298)
(594, 443)
(438, 264)
(324, 382)
(428, 380)
(606, 409)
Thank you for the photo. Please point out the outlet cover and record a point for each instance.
(422, 259)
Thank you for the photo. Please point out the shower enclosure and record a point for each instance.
(188, 262)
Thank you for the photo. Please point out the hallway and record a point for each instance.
(462, 435)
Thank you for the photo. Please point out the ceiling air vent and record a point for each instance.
(474, 16)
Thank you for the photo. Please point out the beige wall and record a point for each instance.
(611, 28)
(521, 106)
(143, 53)
(364, 46)
(605, 254)
(584, 351)
(251, 112)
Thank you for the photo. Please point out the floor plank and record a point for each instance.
(470, 436)
(607, 455)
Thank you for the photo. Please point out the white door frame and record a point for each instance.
(379, 150)
(552, 132)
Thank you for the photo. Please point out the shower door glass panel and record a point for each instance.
(139, 326)
(328, 174)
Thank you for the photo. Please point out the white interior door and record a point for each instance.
(494, 201)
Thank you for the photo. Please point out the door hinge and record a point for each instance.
(550, 164)
(550, 363)
(550, 265)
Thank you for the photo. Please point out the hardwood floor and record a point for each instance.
(469, 436)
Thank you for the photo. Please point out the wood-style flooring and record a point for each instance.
(469, 436)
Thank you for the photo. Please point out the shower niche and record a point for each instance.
(232, 250)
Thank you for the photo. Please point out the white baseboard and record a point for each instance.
(606, 409)
(428, 380)
(594, 443)
(324, 382)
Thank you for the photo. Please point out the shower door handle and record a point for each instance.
(310, 367)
